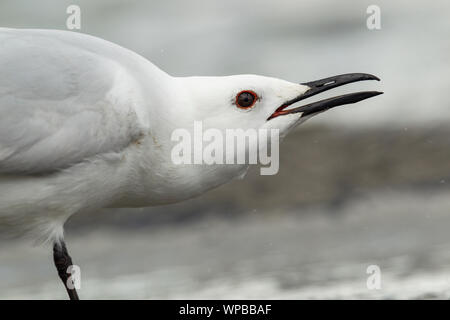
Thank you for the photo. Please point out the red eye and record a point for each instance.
(246, 99)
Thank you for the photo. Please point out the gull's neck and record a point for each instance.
(165, 105)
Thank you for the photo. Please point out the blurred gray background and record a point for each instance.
(367, 184)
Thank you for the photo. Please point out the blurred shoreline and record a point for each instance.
(320, 254)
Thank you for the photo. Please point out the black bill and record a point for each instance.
(322, 85)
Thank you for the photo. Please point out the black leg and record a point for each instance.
(62, 262)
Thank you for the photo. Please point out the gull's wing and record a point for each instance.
(60, 103)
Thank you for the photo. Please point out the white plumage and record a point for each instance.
(61, 101)
(65, 101)
(86, 124)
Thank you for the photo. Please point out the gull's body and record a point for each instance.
(85, 124)
(80, 129)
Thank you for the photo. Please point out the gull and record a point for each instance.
(86, 124)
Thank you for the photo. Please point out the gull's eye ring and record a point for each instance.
(246, 99)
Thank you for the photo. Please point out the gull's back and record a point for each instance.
(60, 101)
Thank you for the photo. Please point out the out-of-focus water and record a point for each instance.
(295, 40)
(290, 256)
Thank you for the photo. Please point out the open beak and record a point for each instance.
(324, 85)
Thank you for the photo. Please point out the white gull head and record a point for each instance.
(239, 101)
(247, 102)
